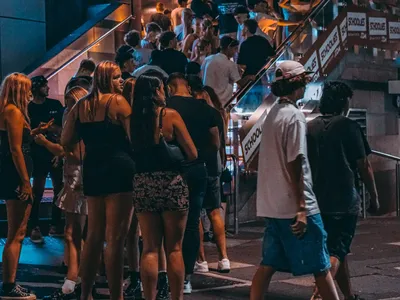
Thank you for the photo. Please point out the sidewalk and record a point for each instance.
(374, 263)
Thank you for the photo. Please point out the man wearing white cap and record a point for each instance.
(295, 239)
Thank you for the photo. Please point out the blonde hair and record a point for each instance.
(129, 88)
(76, 93)
(102, 82)
(16, 89)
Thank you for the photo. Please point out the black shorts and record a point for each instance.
(212, 200)
(341, 230)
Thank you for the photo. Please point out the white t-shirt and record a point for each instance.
(283, 140)
(142, 56)
(220, 73)
(176, 16)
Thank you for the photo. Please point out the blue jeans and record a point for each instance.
(196, 179)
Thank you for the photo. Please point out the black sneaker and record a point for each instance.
(134, 291)
(163, 291)
(17, 293)
(60, 295)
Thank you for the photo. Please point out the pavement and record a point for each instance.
(374, 264)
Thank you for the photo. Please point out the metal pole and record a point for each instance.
(236, 175)
(397, 188)
(364, 201)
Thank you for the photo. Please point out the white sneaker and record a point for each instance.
(201, 267)
(224, 266)
(187, 287)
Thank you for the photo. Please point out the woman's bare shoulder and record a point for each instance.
(10, 110)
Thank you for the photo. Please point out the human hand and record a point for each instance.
(299, 227)
(40, 139)
(374, 204)
(43, 127)
(24, 191)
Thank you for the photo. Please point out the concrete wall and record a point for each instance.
(22, 34)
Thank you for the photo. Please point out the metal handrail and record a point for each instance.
(87, 48)
(279, 51)
(397, 175)
(386, 155)
(236, 176)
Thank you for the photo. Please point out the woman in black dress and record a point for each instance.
(15, 174)
(102, 121)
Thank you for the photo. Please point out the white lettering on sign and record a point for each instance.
(312, 65)
(356, 21)
(377, 26)
(329, 46)
(394, 30)
(252, 140)
(343, 30)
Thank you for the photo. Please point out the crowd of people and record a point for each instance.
(138, 150)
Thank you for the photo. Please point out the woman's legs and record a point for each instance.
(93, 244)
(17, 216)
(74, 224)
(151, 225)
(132, 245)
(119, 208)
(174, 229)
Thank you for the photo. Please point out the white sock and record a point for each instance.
(68, 286)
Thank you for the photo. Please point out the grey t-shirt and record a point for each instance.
(283, 140)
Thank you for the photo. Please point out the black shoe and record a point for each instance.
(133, 291)
(163, 291)
(17, 293)
(60, 295)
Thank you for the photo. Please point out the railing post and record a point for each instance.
(236, 176)
(364, 202)
(397, 188)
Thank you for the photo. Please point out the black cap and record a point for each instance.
(228, 42)
(38, 82)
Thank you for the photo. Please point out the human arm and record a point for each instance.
(288, 23)
(55, 149)
(123, 114)
(69, 135)
(295, 154)
(367, 176)
(187, 44)
(182, 136)
(15, 121)
(357, 150)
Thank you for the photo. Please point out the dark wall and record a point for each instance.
(63, 17)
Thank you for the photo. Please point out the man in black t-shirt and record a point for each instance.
(226, 18)
(41, 111)
(125, 61)
(255, 50)
(202, 124)
(338, 152)
(173, 61)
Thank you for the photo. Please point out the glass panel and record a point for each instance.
(89, 35)
(104, 50)
(260, 92)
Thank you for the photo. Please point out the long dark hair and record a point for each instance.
(144, 110)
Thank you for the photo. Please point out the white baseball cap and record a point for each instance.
(287, 69)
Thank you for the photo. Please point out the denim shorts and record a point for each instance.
(284, 252)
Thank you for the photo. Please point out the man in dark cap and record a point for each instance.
(125, 61)
(46, 117)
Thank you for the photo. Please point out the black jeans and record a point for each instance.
(41, 170)
(196, 178)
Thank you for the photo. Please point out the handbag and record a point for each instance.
(171, 156)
